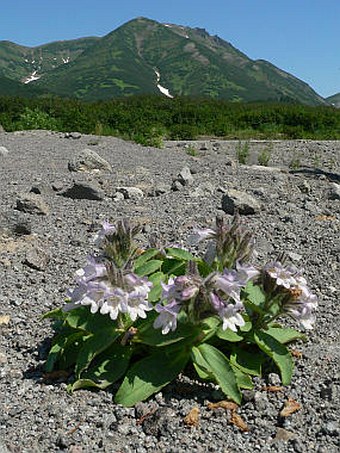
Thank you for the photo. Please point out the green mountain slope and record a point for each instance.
(147, 57)
(334, 100)
(20, 62)
(9, 87)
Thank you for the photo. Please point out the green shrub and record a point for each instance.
(242, 152)
(36, 119)
(265, 155)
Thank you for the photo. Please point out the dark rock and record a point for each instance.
(84, 191)
(158, 423)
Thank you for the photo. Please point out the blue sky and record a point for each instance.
(299, 36)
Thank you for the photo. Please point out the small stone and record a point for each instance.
(283, 435)
(185, 177)
(57, 186)
(260, 401)
(3, 151)
(131, 192)
(37, 258)
(73, 135)
(62, 442)
(334, 193)
(274, 379)
(295, 256)
(305, 187)
(176, 186)
(331, 428)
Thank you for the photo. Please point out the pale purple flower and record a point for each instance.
(283, 275)
(106, 230)
(137, 299)
(229, 313)
(229, 283)
(179, 288)
(91, 271)
(96, 290)
(246, 272)
(302, 306)
(91, 293)
(167, 319)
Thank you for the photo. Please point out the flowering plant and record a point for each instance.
(141, 317)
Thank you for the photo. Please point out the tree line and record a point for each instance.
(150, 119)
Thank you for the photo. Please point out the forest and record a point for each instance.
(149, 120)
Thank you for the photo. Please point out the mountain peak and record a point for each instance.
(144, 56)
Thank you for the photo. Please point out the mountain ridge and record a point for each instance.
(144, 56)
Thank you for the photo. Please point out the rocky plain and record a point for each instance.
(56, 189)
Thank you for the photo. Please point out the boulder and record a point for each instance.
(83, 190)
(88, 160)
(235, 200)
(32, 204)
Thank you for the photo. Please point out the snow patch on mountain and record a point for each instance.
(163, 90)
(32, 77)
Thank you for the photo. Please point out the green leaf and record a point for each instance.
(203, 373)
(228, 335)
(285, 334)
(248, 362)
(148, 268)
(94, 345)
(149, 375)
(214, 362)
(62, 341)
(110, 366)
(83, 384)
(156, 290)
(144, 257)
(185, 332)
(255, 297)
(244, 381)
(174, 267)
(54, 353)
(204, 268)
(179, 254)
(57, 313)
(81, 318)
(278, 352)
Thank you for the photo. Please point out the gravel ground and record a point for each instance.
(299, 213)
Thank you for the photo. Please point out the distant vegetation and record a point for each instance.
(150, 119)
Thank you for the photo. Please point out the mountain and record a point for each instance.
(147, 57)
(334, 100)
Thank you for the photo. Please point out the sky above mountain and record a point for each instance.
(299, 36)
